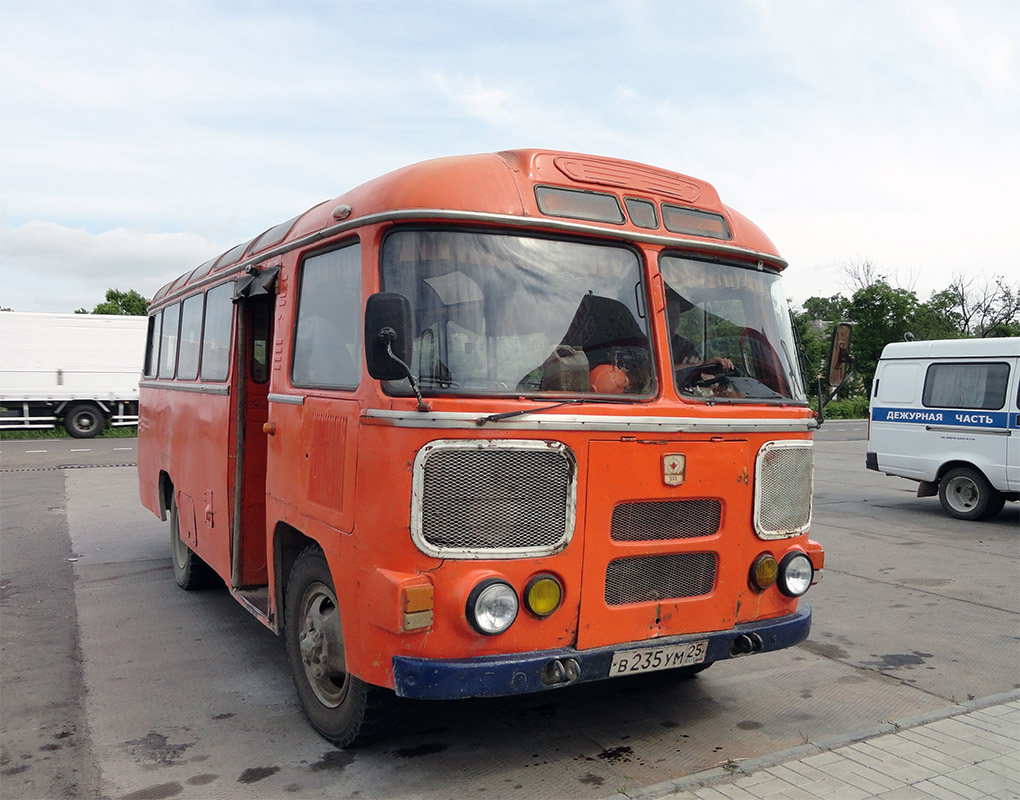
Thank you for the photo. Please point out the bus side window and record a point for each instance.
(327, 340)
(219, 317)
(168, 341)
(152, 345)
(191, 334)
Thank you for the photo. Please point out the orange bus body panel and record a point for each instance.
(336, 468)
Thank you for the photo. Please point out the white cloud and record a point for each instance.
(883, 130)
(49, 267)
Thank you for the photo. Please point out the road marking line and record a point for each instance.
(81, 449)
(123, 448)
(35, 451)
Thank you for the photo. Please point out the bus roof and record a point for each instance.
(499, 187)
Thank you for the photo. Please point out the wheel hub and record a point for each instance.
(321, 645)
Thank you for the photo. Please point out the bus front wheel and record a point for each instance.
(341, 707)
(966, 494)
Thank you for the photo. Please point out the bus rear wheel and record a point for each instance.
(966, 494)
(340, 706)
(83, 421)
(190, 571)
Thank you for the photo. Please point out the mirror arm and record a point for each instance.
(387, 336)
(844, 357)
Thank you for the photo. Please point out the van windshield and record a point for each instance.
(730, 333)
(507, 314)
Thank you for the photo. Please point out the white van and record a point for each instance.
(945, 413)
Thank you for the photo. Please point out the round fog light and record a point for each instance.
(795, 574)
(543, 595)
(764, 572)
(492, 607)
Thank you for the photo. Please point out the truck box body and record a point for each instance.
(51, 363)
(945, 413)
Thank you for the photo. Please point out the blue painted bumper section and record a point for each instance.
(521, 673)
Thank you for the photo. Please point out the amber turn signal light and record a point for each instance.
(764, 572)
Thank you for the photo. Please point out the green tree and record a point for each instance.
(826, 309)
(812, 336)
(881, 315)
(939, 318)
(991, 308)
(118, 302)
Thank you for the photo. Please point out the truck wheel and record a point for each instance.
(341, 707)
(966, 494)
(190, 571)
(84, 421)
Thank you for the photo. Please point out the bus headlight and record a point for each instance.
(492, 606)
(795, 574)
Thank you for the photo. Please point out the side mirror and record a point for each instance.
(388, 322)
(839, 354)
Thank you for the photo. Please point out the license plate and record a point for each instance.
(678, 655)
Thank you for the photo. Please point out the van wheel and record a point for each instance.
(341, 707)
(966, 494)
(190, 571)
(83, 421)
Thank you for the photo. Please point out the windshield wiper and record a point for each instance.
(522, 411)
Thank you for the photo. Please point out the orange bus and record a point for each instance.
(488, 425)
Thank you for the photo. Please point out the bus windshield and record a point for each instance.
(506, 314)
(730, 333)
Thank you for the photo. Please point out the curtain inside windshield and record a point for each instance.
(730, 333)
(511, 314)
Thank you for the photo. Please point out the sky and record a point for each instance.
(139, 139)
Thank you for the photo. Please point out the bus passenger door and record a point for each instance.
(258, 312)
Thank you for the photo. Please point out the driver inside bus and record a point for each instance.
(685, 354)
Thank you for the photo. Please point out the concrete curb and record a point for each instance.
(738, 769)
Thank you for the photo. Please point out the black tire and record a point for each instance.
(84, 421)
(342, 708)
(190, 571)
(966, 494)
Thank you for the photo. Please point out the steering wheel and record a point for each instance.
(719, 374)
(714, 368)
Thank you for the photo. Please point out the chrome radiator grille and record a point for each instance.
(783, 479)
(493, 499)
(661, 577)
(667, 519)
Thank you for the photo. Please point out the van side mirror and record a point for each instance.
(839, 354)
(388, 336)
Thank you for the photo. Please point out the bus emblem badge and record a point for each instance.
(674, 467)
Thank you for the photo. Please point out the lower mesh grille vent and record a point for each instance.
(663, 577)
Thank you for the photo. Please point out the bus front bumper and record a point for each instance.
(522, 673)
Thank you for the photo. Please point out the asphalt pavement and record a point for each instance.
(117, 685)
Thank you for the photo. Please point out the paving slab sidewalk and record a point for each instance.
(969, 751)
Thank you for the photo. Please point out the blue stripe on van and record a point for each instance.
(942, 416)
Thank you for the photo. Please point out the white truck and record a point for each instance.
(80, 370)
(945, 413)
